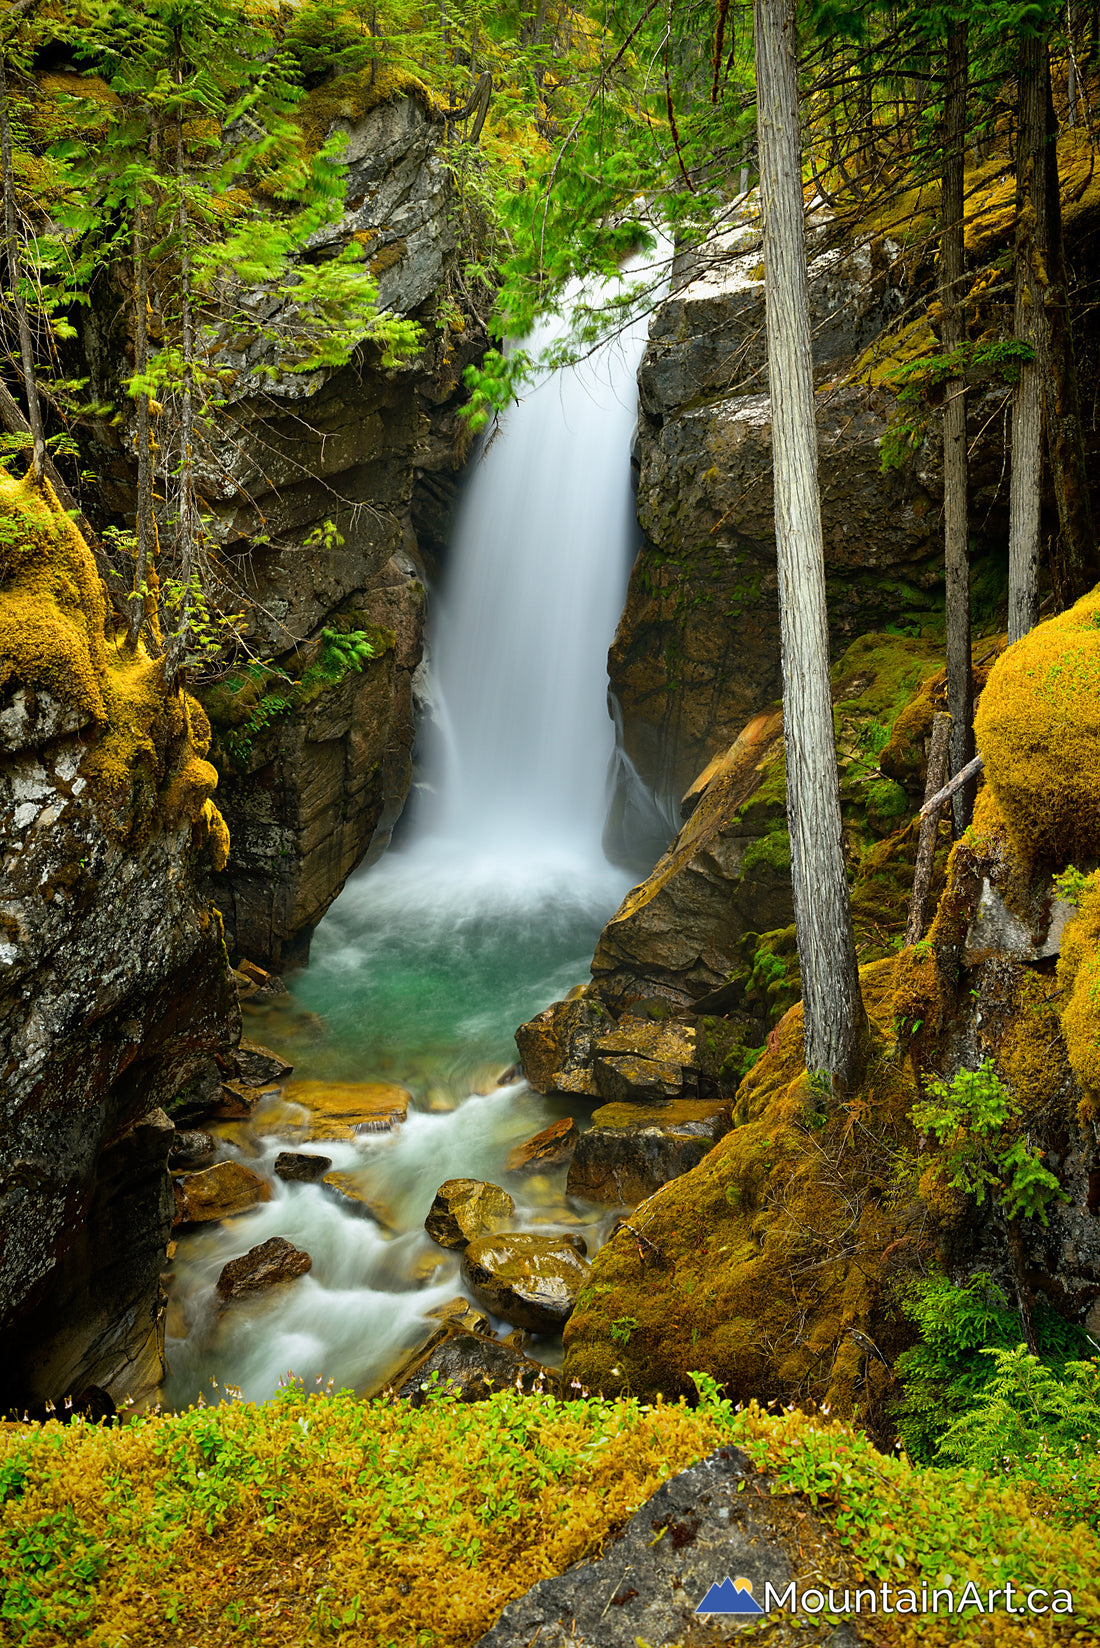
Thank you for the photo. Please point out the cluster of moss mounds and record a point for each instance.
(330, 1520)
(147, 760)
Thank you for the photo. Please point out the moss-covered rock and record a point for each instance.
(1038, 727)
(763, 1265)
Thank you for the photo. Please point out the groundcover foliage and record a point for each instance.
(331, 1520)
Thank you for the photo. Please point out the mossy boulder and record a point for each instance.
(757, 1266)
(632, 1149)
(1038, 727)
(218, 1192)
(555, 1046)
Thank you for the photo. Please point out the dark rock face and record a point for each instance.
(699, 1528)
(114, 999)
(331, 472)
(262, 1267)
(697, 650)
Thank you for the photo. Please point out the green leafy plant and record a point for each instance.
(983, 1153)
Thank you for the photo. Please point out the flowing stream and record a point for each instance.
(488, 911)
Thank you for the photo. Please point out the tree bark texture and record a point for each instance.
(22, 321)
(835, 1023)
(1025, 481)
(956, 549)
(144, 433)
(929, 826)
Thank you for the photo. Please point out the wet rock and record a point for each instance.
(238, 1101)
(190, 1150)
(646, 1587)
(631, 1151)
(218, 1192)
(630, 1077)
(472, 1366)
(356, 1195)
(272, 1262)
(258, 1066)
(340, 1111)
(459, 1312)
(266, 988)
(555, 1046)
(467, 1208)
(1033, 935)
(298, 1166)
(532, 1281)
(550, 1148)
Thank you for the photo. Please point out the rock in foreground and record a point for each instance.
(632, 1150)
(273, 1261)
(532, 1281)
(696, 1529)
(472, 1366)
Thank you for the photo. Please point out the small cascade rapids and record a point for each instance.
(487, 911)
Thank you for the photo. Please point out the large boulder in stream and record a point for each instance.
(532, 1281)
(465, 1209)
(262, 1267)
(218, 1192)
(631, 1150)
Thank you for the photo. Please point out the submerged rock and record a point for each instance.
(464, 1209)
(630, 1151)
(554, 1145)
(218, 1192)
(298, 1166)
(472, 1366)
(356, 1194)
(458, 1312)
(341, 1111)
(532, 1281)
(273, 1261)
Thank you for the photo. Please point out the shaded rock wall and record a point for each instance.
(114, 993)
(697, 650)
(327, 492)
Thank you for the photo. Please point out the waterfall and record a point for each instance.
(487, 911)
(541, 553)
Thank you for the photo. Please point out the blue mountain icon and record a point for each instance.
(730, 1597)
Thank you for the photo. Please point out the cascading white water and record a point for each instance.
(541, 555)
(489, 910)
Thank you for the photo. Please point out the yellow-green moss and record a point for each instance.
(351, 97)
(216, 832)
(1079, 981)
(768, 1253)
(147, 743)
(1038, 727)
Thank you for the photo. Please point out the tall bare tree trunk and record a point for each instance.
(960, 696)
(835, 1022)
(1025, 483)
(185, 543)
(22, 321)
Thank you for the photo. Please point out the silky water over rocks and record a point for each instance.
(489, 910)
